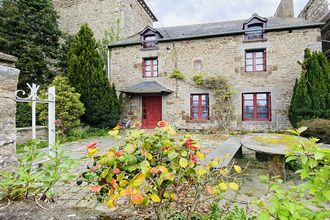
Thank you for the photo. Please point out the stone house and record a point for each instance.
(125, 16)
(318, 11)
(258, 56)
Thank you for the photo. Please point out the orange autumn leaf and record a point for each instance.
(137, 198)
(95, 188)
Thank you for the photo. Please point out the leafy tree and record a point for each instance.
(86, 72)
(311, 93)
(29, 31)
(68, 106)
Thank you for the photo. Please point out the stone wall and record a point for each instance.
(318, 10)
(102, 15)
(8, 85)
(219, 56)
(25, 134)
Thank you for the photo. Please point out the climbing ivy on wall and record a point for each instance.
(223, 108)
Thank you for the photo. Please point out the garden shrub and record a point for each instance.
(157, 171)
(23, 115)
(318, 128)
(68, 106)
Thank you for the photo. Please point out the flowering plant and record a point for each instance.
(152, 170)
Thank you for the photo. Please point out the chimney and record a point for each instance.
(285, 9)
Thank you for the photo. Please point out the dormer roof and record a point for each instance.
(255, 16)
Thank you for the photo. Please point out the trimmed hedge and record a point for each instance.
(319, 128)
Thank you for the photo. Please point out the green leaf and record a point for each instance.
(172, 155)
(183, 163)
(290, 158)
(303, 158)
(319, 155)
(145, 167)
(263, 216)
(301, 129)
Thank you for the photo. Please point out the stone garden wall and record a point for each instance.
(25, 134)
(8, 85)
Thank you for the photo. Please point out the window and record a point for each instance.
(200, 106)
(150, 67)
(149, 41)
(256, 107)
(254, 32)
(197, 65)
(255, 60)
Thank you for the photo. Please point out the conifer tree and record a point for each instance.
(311, 93)
(86, 73)
(29, 31)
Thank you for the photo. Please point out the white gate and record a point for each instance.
(34, 99)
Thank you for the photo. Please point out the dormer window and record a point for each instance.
(149, 41)
(149, 38)
(254, 28)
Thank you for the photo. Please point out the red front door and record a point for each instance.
(151, 111)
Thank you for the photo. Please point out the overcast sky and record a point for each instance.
(180, 12)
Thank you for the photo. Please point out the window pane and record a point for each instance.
(262, 102)
(259, 61)
(261, 96)
(249, 62)
(249, 55)
(194, 115)
(155, 73)
(194, 110)
(259, 67)
(248, 103)
(248, 115)
(195, 97)
(148, 68)
(148, 62)
(259, 54)
(155, 62)
(263, 109)
(249, 69)
(248, 96)
(148, 73)
(248, 109)
(262, 115)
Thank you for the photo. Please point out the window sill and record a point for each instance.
(256, 72)
(257, 120)
(196, 121)
(150, 48)
(256, 40)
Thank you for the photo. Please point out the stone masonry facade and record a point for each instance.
(318, 10)
(220, 56)
(8, 85)
(128, 17)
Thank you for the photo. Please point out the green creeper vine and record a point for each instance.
(223, 107)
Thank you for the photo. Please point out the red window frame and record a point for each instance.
(254, 60)
(255, 106)
(154, 63)
(200, 106)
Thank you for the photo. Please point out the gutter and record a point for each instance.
(220, 34)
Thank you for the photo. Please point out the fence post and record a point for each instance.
(51, 117)
(34, 91)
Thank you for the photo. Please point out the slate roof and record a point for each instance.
(185, 32)
(147, 87)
